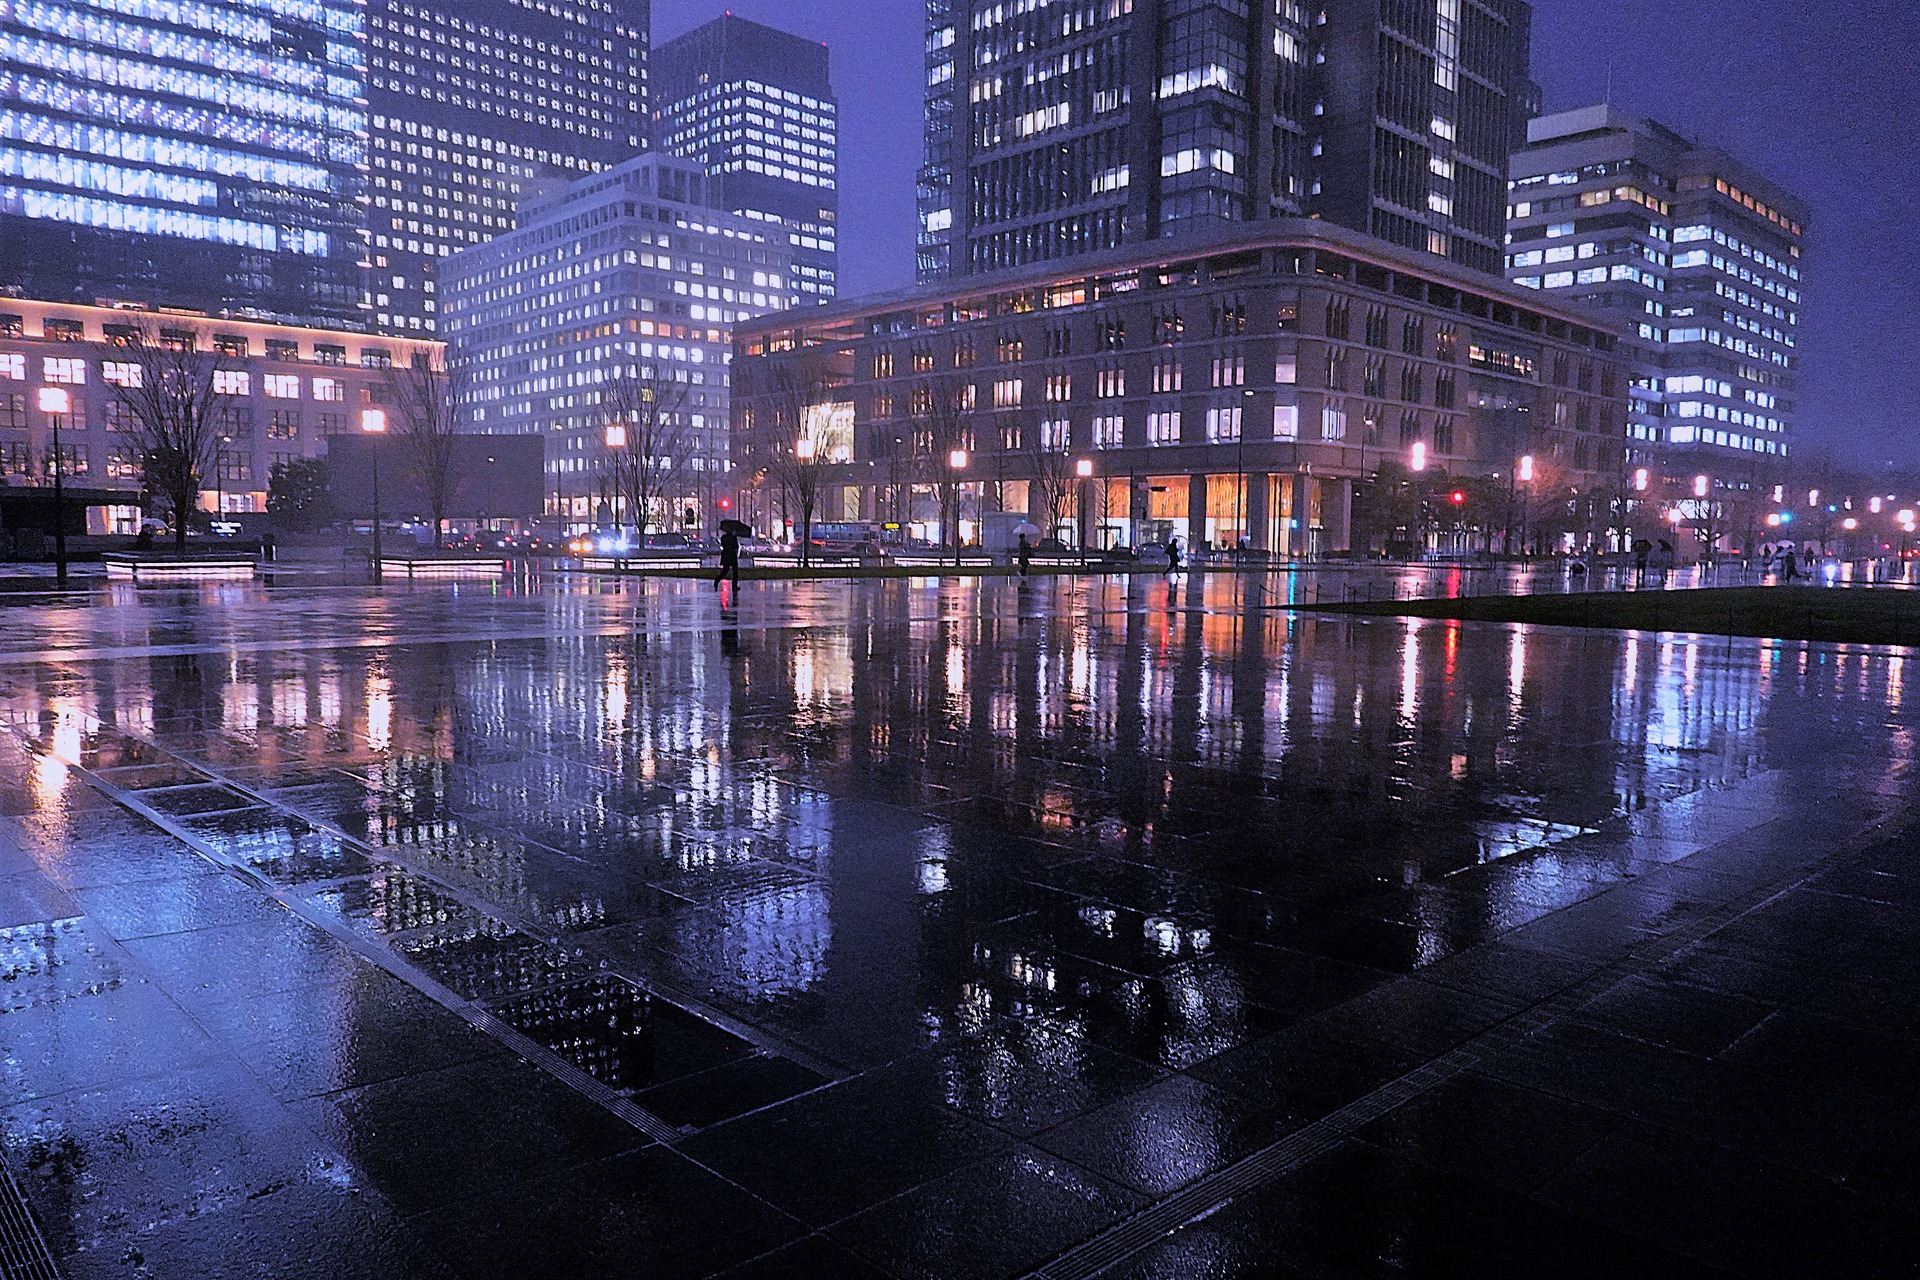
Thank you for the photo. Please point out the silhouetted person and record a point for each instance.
(1173, 556)
(144, 540)
(1026, 555)
(729, 559)
(1641, 550)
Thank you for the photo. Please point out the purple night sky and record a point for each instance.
(1828, 107)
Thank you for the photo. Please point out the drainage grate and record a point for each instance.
(23, 1250)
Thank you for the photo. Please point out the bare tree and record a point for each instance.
(171, 390)
(942, 412)
(1052, 482)
(646, 437)
(792, 442)
(427, 397)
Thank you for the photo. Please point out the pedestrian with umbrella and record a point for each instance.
(730, 531)
(1027, 532)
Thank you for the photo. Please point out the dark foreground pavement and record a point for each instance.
(899, 929)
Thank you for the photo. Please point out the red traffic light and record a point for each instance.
(726, 504)
(1457, 498)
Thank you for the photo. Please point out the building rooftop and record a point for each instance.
(1237, 237)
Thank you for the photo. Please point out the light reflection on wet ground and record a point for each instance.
(1027, 902)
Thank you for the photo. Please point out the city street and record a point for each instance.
(950, 929)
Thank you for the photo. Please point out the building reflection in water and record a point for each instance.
(1013, 823)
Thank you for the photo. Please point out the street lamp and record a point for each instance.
(1523, 474)
(373, 422)
(1419, 460)
(56, 403)
(956, 462)
(1084, 470)
(617, 440)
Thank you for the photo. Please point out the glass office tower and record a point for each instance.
(756, 107)
(185, 154)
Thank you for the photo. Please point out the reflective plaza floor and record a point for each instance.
(964, 929)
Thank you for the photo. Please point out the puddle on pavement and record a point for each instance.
(486, 958)
(53, 960)
(280, 846)
(145, 777)
(394, 901)
(183, 801)
(620, 1034)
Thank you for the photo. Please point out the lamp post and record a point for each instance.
(374, 423)
(219, 477)
(1417, 464)
(56, 403)
(1240, 530)
(616, 444)
(1083, 471)
(1524, 474)
(956, 463)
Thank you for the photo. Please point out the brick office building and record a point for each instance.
(1232, 385)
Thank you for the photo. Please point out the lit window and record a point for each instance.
(283, 386)
(69, 372)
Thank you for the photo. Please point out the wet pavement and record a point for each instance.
(973, 929)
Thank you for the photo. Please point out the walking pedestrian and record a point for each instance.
(1173, 556)
(1641, 550)
(1026, 555)
(1789, 563)
(729, 559)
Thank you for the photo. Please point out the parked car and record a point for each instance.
(669, 542)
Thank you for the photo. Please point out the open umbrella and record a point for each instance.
(738, 527)
(1031, 530)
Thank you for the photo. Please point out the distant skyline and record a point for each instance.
(1829, 108)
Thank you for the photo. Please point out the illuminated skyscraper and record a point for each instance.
(205, 156)
(637, 272)
(755, 106)
(476, 105)
(1058, 130)
(1698, 258)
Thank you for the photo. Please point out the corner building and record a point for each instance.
(1699, 259)
(203, 156)
(286, 390)
(476, 105)
(636, 271)
(1061, 127)
(756, 107)
(1236, 384)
